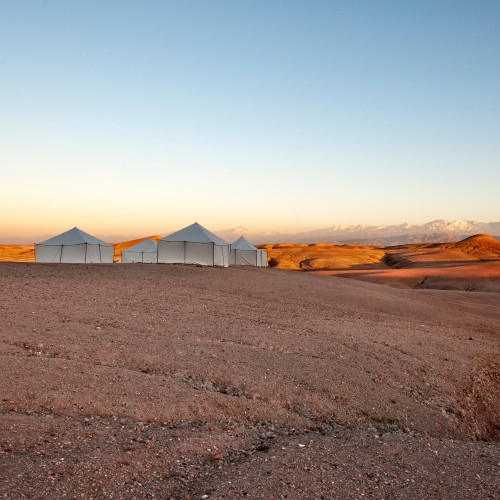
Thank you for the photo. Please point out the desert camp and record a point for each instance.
(192, 245)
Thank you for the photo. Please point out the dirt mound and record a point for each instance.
(480, 240)
(482, 246)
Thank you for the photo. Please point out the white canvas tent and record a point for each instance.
(145, 251)
(74, 246)
(193, 245)
(243, 253)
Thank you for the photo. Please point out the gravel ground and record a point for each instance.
(167, 381)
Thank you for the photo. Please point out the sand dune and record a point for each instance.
(17, 253)
(481, 240)
(323, 256)
(472, 264)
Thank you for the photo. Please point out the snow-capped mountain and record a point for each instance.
(399, 234)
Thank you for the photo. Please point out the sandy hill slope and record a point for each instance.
(471, 264)
(322, 256)
(481, 245)
(17, 253)
(179, 381)
(483, 240)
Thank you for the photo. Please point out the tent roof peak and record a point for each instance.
(74, 236)
(195, 233)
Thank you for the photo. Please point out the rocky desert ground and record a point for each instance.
(172, 381)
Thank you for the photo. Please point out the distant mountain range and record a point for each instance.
(436, 231)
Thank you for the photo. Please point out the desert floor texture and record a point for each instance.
(172, 381)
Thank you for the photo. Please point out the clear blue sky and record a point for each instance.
(140, 117)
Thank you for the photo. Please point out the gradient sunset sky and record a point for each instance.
(139, 117)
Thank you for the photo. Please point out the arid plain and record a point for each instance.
(172, 381)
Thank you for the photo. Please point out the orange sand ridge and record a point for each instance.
(472, 264)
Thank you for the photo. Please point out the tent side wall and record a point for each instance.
(263, 256)
(74, 254)
(107, 254)
(244, 257)
(97, 254)
(218, 259)
(48, 253)
(191, 252)
(150, 257)
(129, 256)
(171, 252)
(222, 255)
(93, 254)
(199, 253)
(185, 252)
